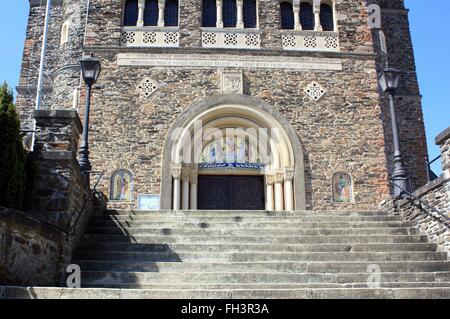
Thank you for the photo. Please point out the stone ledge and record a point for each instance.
(60, 114)
(443, 136)
(58, 155)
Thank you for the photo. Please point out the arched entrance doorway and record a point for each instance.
(232, 152)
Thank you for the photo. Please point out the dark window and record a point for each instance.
(151, 13)
(229, 13)
(130, 16)
(306, 16)
(209, 13)
(287, 15)
(326, 17)
(171, 13)
(249, 11)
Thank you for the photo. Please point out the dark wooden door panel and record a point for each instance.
(230, 192)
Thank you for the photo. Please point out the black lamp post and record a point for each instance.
(90, 70)
(388, 80)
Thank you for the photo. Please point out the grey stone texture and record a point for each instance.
(432, 214)
(36, 247)
(347, 130)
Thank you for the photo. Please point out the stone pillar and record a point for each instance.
(240, 14)
(176, 174)
(194, 182)
(161, 8)
(59, 191)
(288, 189)
(141, 6)
(317, 23)
(296, 8)
(279, 178)
(219, 6)
(185, 188)
(443, 140)
(270, 203)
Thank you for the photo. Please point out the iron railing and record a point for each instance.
(70, 230)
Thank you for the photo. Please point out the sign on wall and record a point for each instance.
(148, 202)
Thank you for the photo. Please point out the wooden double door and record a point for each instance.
(231, 192)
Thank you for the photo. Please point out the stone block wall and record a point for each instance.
(432, 212)
(36, 246)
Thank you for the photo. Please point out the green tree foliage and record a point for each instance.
(12, 154)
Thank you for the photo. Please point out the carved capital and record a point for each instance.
(194, 174)
(279, 176)
(289, 173)
(270, 179)
(176, 170)
(185, 174)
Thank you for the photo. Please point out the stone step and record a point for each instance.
(243, 213)
(111, 278)
(242, 218)
(131, 231)
(317, 293)
(259, 247)
(232, 225)
(170, 239)
(256, 256)
(284, 267)
(265, 286)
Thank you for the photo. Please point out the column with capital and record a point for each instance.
(270, 180)
(279, 178)
(240, 14)
(219, 18)
(194, 182)
(288, 189)
(317, 23)
(141, 7)
(161, 8)
(176, 174)
(185, 175)
(296, 8)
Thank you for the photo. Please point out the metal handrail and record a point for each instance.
(70, 229)
(427, 165)
(412, 198)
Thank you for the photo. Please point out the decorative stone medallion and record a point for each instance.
(315, 91)
(232, 82)
(147, 87)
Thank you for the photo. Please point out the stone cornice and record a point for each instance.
(443, 136)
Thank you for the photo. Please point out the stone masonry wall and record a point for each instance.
(395, 25)
(432, 214)
(346, 130)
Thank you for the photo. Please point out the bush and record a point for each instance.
(13, 157)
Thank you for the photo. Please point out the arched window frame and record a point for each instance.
(207, 16)
(330, 4)
(125, 12)
(292, 15)
(352, 193)
(65, 30)
(256, 14)
(177, 18)
(111, 188)
(302, 10)
(150, 18)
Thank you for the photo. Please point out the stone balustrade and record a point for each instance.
(310, 41)
(150, 37)
(231, 38)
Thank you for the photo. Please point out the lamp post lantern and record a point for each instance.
(90, 70)
(388, 81)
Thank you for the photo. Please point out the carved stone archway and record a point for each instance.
(284, 171)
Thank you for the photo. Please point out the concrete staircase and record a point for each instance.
(253, 254)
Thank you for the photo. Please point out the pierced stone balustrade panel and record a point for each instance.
(150, 37)
(310, 41)
(231, 38)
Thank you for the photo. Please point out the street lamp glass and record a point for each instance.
(90, 69)
(389, 79)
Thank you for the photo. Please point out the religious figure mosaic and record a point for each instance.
(121, 186)
(230, 150)
(342, 188)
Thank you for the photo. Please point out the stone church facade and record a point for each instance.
(305, 69)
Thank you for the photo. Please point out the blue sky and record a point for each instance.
(430, 25)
